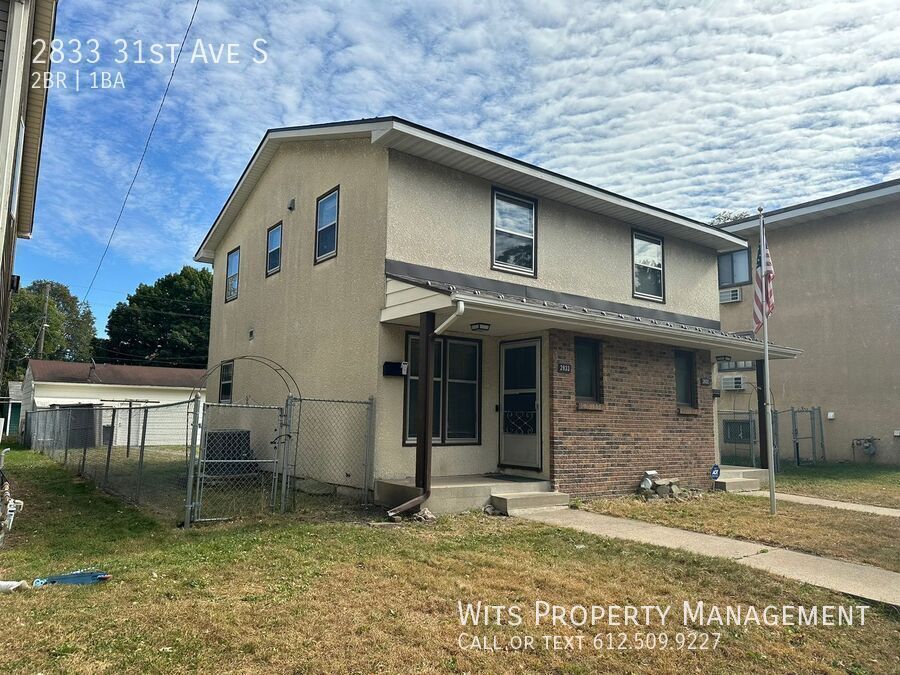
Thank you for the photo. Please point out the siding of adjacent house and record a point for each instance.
(4, 20)
(836, 292)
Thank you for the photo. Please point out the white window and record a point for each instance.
(649, 273)
(226, 381)
(327, 225)
(514, 233)
(273, 249)
(231, 274)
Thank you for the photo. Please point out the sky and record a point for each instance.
(692, 107)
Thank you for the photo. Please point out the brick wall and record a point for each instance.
(603, 450)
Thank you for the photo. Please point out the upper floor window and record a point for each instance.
(514, 233)
(685, 379)
(226, 381)
(273, 249)
(232, 273)
(734, 268)
(327, 225)
(649, 270)
(588, 370)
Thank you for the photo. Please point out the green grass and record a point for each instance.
(860, 483)
(320, 591)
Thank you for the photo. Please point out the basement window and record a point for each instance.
(327, 225)
(233, 269)
(457, 391)
(588, 370)
(273, 250)
(226, 381)
(685, 379)
(514, 233)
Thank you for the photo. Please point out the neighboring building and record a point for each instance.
(68, 383)
(11, 409)
(837, 297)
(577, 328)
(26, 29)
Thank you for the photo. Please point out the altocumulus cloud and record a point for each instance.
(694, 107)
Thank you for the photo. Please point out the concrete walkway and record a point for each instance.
(830, 503)
(864, 581)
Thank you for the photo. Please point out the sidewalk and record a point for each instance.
(864, 581)
(830, 503)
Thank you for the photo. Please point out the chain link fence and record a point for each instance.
(198, 463)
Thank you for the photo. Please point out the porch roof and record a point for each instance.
(516, 314)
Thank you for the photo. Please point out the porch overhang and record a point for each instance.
(511, 315)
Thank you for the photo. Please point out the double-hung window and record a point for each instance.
(232, 273)
(736, 365)
(457, 390)
(327, 225)
(226, 381)
(734, 268)
(685, 379)
(649, 271)
(588, 370)
(273, 249)
(514, 233)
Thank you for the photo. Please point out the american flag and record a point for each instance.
(758, 302)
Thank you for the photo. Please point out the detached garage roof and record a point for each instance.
(509, 172)
(106, 373)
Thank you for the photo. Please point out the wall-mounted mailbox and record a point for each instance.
(395, 368)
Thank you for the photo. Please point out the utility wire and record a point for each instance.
(144, 152)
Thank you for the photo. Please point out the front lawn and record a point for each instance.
(835, 533)
(860, 483)
(321, 591)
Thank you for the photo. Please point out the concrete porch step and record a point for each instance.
(736, 484)
(512, 503)
(762, 475)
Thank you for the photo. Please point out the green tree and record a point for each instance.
(70, 330)
(166, 323)
(725, 217)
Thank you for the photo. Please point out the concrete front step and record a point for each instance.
(762, 475)
(455, 494)
(736, 484)
(512, 503)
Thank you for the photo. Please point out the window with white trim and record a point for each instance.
(273, 249)
(226, 381)
(327, 225)
(649, 272)
(232, 273)
(514, 233)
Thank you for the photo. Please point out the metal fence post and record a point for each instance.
(195, 435)
(795, 436)
(68, 431)
(286, 437)
(821, 432)
(140, 476)
(128, 437)
(109, 446)
(369, 460)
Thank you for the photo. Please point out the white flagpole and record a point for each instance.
(763, 260)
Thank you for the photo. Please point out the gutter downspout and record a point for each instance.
(425, 406)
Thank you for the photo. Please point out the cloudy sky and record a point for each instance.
(693, 107)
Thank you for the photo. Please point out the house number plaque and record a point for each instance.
(564, 367)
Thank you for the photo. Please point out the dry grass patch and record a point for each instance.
(307, 595)
(860, 483)
(835, 533)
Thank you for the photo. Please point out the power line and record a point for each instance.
(144, 152)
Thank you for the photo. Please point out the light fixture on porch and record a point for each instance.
(479, 327)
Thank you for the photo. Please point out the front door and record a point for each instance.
(520, 404)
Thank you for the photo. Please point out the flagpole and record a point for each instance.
(764, 259)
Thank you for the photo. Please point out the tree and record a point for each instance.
(166, 323)
(725, 217)
(70, 331)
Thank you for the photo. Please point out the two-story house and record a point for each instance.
(838, 299)
(572, 331)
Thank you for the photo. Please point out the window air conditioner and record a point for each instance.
(733, 383)
(730, 295)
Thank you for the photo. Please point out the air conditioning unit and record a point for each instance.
(733, 383)
(730, 295)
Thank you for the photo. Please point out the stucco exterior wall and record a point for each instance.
(320, 321)
(837, 293)
(441, 218)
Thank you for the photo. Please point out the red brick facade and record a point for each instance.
(603, 449)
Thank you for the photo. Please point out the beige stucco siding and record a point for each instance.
(837, 293)
(320, 321)
(441, 218)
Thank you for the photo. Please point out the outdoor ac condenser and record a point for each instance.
(733, 383)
